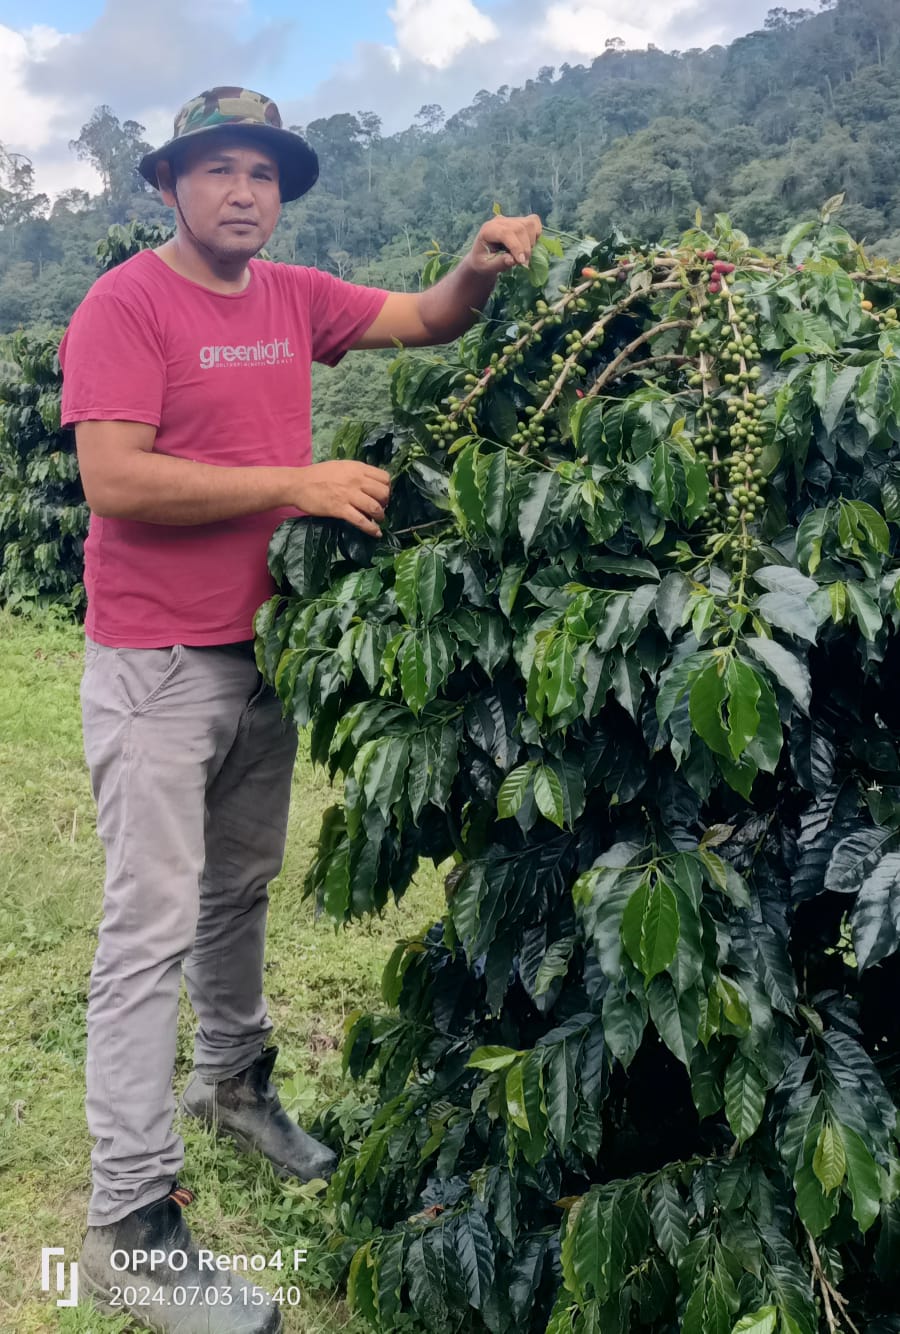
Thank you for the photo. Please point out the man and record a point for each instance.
(187, 379)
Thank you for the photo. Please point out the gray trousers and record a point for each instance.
(191, 767)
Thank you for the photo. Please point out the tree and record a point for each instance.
(114, 150)
(18, 201)
(370, 136)
(338, 141)
(429, 117)
(625, 655)
(70, 201)
(783, 20)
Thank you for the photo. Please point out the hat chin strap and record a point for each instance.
(188, 228)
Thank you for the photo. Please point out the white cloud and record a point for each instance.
(435, 32)
(584, 26)
(28, 116)
(143, 60)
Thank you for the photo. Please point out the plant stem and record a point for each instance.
(416, 527)
(829, 1292)
(626, 352)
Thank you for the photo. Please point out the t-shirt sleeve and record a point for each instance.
(113, 364)
(339, 314)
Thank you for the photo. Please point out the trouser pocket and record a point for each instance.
(142, 674)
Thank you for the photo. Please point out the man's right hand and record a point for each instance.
(125, 478)
(344, 489)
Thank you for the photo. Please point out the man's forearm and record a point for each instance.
(451, 307)
(157, 488)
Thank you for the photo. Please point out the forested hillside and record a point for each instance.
(765, 129)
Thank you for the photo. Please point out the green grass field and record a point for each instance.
(51, 875)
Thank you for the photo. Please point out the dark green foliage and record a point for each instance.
(625, 655)
(43, 514)
(122, 242)
(43, 517)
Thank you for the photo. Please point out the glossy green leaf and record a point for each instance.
(856, 856)
(548, 793)
(554, 964)
(361, 1290)
(676, 1018)
(709, 692)
(865, 609)
(874, 918)
(743, 688)
(745, 1097)
(561, 1093)
(476, 1255)
(540, 507)
(413, 673)
(307, 555)
(762, 1321)
(670, 1220)
(465, 495)
(492, 1058)
(514, 789)
(789, 670)
(862, 1178)
(650, 926)
(624, 1022)
(829, 1161)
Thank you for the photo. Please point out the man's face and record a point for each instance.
(228, 191)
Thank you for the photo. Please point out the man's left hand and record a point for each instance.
(503, 242)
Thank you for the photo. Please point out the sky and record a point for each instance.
(59, 59)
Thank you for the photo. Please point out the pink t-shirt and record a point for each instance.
(226, 380)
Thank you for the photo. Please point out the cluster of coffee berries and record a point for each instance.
(886, 318)
(732, 431)
(444, 425)
(529, 330)
(743, 463)
(567, 361)
(531, 431)
(720, 270)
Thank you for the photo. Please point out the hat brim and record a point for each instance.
(298, 165)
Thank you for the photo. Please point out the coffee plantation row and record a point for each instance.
(625, 654)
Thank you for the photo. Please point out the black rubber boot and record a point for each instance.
(168, 1291)
(246, 1108)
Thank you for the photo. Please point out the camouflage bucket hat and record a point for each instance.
(238, 108)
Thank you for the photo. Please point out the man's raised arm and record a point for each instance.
(445, 311)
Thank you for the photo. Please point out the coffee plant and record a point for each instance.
(624, 661)
(43, 514)
(121, 242)
(43, 517)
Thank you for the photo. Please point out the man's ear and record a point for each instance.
(165, 182)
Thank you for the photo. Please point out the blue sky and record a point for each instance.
(321, 33)
(59, 59)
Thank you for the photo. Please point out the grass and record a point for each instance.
(51, 876)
